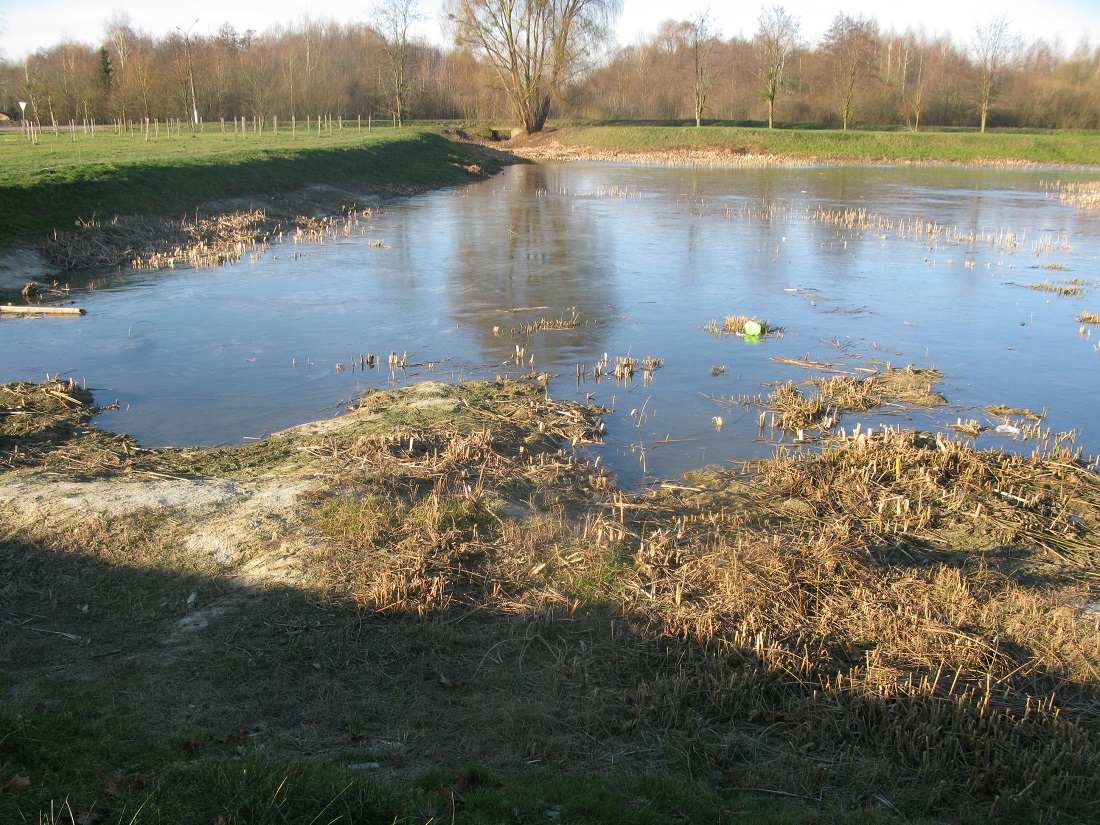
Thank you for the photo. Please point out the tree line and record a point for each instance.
(523, 60)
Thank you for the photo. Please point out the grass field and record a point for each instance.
(53, 184)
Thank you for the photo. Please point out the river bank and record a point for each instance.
(899, 627)
(739, 146)
(108, 200)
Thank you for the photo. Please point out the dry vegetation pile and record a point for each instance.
(166, 243)
(897, 617)
(48, 425)
(794, 410)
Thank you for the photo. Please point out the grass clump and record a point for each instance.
(1080, 195)
(1087, 317)
(736, 325)
(797, 411)
(1063, 289)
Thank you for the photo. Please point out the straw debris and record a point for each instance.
(796, 410)
(199, 242)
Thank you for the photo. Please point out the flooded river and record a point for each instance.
(859, 266)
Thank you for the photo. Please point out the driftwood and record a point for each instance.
(40, 310)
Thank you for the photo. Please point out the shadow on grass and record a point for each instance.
(57, 200)
(140, 694)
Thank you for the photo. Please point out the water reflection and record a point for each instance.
(646, 257)
(524, 253)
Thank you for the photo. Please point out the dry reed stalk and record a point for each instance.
(898, 610)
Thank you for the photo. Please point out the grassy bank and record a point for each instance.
(1060, 148)
(64, 179)
(57, 182)
(427, 610)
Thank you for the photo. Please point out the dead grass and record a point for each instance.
(1080, 195)
(794, 410)
(199, 242)
(897, 615)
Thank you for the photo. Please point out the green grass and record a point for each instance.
(88, 763)
(1054, 148)
(57, 182)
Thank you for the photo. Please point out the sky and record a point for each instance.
(29, 25)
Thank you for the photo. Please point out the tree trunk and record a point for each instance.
(534, 114)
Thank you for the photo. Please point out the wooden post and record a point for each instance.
(293, 128)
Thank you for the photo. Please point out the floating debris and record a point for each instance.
(1002, 411)
(40, 309)
(743, 326)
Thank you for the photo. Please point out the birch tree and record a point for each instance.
(775, 40)
(702, 41)
(993, 44)
(394, 20)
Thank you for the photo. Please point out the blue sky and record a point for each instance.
(27, 25)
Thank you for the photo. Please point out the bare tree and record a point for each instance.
(395, 19)
(534, 46)
(702, 41)
(119, 35)
(850, 43)
(916, 48)
(775, 40)
(993, 44)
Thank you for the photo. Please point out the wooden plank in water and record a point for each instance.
(40, 310)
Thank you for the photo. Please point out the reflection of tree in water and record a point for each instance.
(523, 245)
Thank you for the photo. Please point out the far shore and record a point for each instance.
(42, 219)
